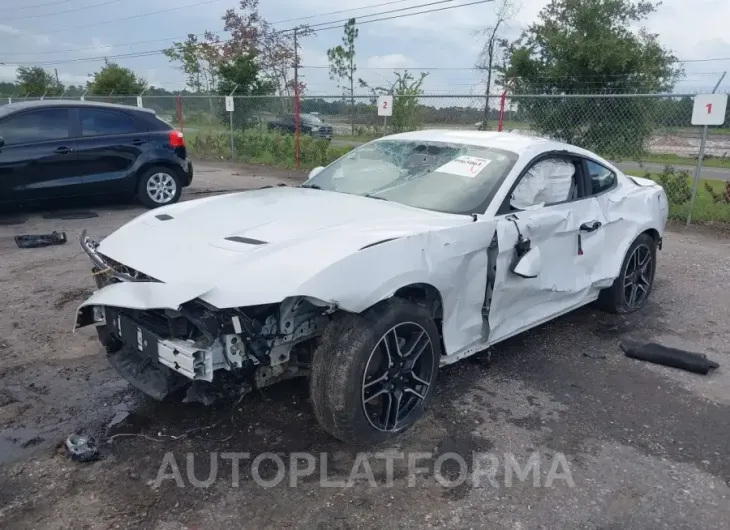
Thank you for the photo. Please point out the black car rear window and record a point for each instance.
(96, 122)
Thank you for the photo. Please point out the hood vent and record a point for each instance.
(245, 240)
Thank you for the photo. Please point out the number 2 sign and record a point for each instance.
(385, 105)
(709, 109)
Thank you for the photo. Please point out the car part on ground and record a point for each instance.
(82, 448)
(664, 355)
(41, 240)
(369, 297)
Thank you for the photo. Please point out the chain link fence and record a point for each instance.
(645, 135)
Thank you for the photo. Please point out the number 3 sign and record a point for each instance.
(709, 109)
(385, 105)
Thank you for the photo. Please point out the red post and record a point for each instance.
(180, 112)
(296, 122)
(502, 101)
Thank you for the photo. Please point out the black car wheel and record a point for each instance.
(632, 287)
(373, 374)
(159, 186)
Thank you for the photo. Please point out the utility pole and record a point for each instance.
(58, 83)
(296, 98)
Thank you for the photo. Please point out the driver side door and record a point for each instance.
(550, 214)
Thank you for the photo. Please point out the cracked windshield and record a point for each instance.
(446, 177)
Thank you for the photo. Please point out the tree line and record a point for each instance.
(574, 47)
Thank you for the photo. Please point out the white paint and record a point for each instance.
(709, 109)
(385, 105)
(315, 239)
(464, 166)
(229, 103)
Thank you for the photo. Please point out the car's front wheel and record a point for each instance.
(373, 373)
(158, 186)
(632, 287)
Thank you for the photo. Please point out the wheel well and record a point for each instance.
(427, 296)
(159, 163)
(654, 234)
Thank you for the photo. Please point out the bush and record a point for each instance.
(677, 185)
(258, 147)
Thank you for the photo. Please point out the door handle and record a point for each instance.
(139, 142)
(63, 150)
(590, 226)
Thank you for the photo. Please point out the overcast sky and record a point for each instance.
(42, 31)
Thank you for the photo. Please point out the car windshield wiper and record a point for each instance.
(312, 186)
(369, 196)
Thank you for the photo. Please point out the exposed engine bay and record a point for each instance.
(161, 350)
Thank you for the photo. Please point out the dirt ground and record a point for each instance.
(646, 446)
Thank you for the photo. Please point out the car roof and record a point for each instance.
(35, 104)
(517, 143)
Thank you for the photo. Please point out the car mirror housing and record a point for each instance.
(315, 172)
(528, 266)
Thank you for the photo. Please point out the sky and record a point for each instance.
(73, 36)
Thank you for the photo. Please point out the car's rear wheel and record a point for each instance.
(159, 186)
(373, 374)
(632, 287)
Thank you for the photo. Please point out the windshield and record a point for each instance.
(446, 177)
(311, 120)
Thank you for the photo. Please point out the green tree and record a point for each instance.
(242, 74)
(342, 65)
(198, 59)
(581, 47)
(116, 79)
(35, 81)
(407, 113)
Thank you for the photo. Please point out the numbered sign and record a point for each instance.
(385, 105)
(139, 101)
(229, 103)
(709, 109)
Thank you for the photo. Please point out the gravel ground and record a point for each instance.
(620, 443)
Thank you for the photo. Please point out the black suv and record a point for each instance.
(62, 149)
(308, 124)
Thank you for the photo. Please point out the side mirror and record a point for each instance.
(2, 142)
(315, 172)
(529, 264)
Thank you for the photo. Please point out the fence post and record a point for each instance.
(700, 156)
(180, 113)
(230, 115)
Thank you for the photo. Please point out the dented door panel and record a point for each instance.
(570, 265)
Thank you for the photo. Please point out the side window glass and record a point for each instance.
(96, 122)
(35, 126)
(548, 181)
(602, 178)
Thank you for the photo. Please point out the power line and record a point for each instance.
(168, 39)
(330, 26)
(63, 12)
(44, 4)
(204, 2)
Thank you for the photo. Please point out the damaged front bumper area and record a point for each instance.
(161, 338)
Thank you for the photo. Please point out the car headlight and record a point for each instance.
(315, 129)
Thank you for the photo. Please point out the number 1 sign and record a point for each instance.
(709, 109)
(385, 105)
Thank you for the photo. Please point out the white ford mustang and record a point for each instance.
(410, 252)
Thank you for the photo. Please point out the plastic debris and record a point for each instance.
(658, 354)
(41, 240)
(82, 448)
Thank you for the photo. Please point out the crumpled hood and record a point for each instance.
(270, 240)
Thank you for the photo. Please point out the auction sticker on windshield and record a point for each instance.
(464, 166)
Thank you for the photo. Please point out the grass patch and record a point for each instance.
(712, 204)
(668, 158)
(257, 147)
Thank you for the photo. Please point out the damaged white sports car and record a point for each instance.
(410, 252)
